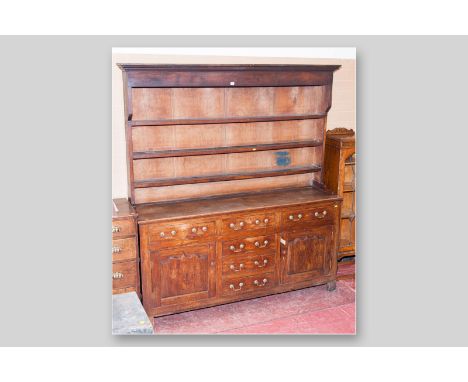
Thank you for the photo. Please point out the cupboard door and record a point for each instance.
(307, 255)
(184, 274)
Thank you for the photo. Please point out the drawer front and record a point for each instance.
(124, 227)
(248, 264)
(247, 284)
(181, 232)
(257, 244)
(124, 274)
(251, 222)
(124, 249)
(298, 217)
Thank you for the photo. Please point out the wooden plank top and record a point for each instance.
(227, 204)
(121, 208)
(147, 75)
(221, 67)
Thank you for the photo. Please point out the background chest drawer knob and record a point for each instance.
(173, 233)
(320, 215)
(204, 229)
(232, 267)
(257, 283)
(299, 216)
(162, 234)
(117, 275)
(116, 249)
(231, 286)
(291, 217)
(265, 262)
(115, 229)
(266, 221)
(257, 222)
(194, 230)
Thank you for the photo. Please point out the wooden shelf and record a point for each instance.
(205, 121)
(348, 187)
(225, 149)
(224, 177)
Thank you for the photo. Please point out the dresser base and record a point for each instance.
(201, 253)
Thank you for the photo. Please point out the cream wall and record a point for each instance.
(342, 112)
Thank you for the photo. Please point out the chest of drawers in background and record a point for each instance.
(125, 258)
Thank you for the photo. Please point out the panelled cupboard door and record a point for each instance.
(307, 255)
(183, 274)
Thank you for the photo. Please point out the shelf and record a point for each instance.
(348, 187)
(224, 177)
(225, 149)
(205, 121)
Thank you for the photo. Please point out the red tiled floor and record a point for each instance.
(312, 310)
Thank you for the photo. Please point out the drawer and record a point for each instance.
(246, 284)
(124, 249)
(180, 232)
(123, 227)
(124, 274)
(299, 217)
(249, 264)
(248, 222)
(243, 245)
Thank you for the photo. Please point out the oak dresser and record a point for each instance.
(225, 174)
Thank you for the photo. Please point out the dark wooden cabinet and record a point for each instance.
(125, 253)
(225, 171)
(340, 177)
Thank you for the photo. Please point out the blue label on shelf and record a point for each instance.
(283, 158)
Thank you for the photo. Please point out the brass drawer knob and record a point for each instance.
(231, 286)
(117, 275)
(162, 234)
(265, 243)
(320, 215)
(265, 262)
(299, 217)
(194, 230)
(116, 249)
(257, 222)
(233, 248)
(173, 233)
(115, 229)
(266, 221)
(257, 283)
(235, 228)
(232, 267)
(204, 229)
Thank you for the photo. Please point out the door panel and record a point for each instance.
(184, 274)
(307, 255)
